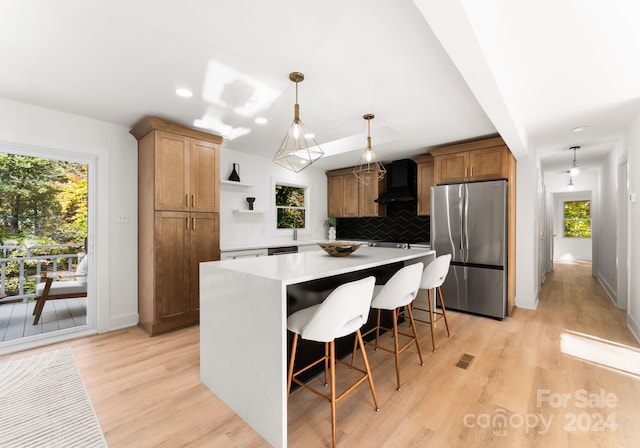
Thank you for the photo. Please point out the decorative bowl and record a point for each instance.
(340, 248)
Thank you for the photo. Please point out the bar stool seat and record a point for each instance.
(343, 312)
(433, 277)
(399, 291)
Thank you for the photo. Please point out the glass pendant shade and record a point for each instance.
(575, 169)
(298, 149)
(570, 186)
(369, 169)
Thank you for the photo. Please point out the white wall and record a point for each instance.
(113, 246)
(527, 282)
(245, 230)
(633, 309)
(606, 269)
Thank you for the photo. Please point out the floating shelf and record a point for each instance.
(235, 184)
(249, 212)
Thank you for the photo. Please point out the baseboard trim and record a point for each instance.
(633, 327)
(526, 303)
(608, 289)
(123, 321)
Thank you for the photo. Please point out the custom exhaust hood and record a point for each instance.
(401, 182)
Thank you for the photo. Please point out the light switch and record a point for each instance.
(122, 219)
(632, 197)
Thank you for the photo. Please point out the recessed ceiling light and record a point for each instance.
(580, 128)
(184, 93)
(261, 120)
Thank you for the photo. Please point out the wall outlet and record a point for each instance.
(122, 219)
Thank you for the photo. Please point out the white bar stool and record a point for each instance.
(343, 312)
(432, 278)
(399, 291)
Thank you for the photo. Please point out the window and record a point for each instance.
(577, 219)
(290, 206)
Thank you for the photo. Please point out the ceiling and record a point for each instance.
(432, 72)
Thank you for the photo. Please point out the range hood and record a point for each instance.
(401, 182)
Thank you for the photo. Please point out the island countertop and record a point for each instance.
(243, 324)
(305, 266)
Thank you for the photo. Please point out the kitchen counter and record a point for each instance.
(279, 243)
(243, 333)
(254, 246)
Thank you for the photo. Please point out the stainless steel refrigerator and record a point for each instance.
(469, 221)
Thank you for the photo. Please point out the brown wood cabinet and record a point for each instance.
(487, 159)
(347, 198)
(178, 204)
(426, 180)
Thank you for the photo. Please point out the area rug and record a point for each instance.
(44, 403)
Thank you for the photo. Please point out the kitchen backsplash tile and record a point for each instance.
(401, 225)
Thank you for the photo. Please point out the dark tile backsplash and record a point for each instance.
(400, 225)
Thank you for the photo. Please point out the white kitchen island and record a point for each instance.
(243, 331)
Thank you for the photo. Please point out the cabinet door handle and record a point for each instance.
(193, 223)
(186, 200)
(186, 220)
(465, 171)
(193, 200)
(471, 172)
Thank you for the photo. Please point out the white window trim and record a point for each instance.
(273, 221)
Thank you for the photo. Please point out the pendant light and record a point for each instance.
(299, 148)
(570, 186)
(369, 170)
(575, 169)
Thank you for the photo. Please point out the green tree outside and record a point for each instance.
(42, 202)
(577, 219)
(290, 207)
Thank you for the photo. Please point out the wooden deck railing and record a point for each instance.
(37, 254)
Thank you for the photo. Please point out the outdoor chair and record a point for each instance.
(52, 289)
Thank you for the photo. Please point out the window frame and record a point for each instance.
(565, 219)
(274, 207)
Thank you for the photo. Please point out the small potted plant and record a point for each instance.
(331, 223)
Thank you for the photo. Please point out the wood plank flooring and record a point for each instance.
(16, 320)
(147, 393)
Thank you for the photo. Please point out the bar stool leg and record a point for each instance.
(431, 320)
(367, 368)
(332, 355)
(396, 349)
(444, 312)
(378, 329)
(294, 345)
(415, 333)
(326, 362)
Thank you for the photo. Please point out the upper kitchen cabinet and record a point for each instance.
(488, 159)
(426, 180)
(342, 194)
(185, 165)
(367, 194)
(346, 198)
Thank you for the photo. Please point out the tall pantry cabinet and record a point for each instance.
(178, 219)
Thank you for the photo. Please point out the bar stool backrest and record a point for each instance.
(343, 312)
(436, 272)
(400, 289)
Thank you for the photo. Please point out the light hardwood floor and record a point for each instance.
(147, 393)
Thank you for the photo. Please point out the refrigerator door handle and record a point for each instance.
(465, 223)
